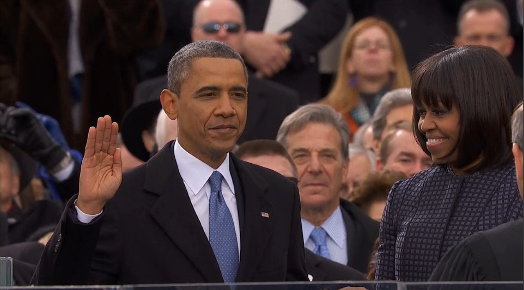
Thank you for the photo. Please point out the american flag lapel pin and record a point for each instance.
(264, 214)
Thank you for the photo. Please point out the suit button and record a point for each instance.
(59, 237)
(57, 246)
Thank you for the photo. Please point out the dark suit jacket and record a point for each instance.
(149, 232)
(492, 255)
(267, 106)
(322, 269)
(321, 23)
(4, 240)
(360, 241)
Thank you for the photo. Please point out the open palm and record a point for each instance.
(101, 172)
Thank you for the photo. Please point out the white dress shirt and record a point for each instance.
(336, 239)
(195, 175)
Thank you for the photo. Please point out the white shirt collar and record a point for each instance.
(196, 173)
(333, 227)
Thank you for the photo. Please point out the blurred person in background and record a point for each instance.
(486, 22)
(166, 129)
(283, 39)
(371, 63)
(395, 106)
(472, 186)
(316, 137)
(73, 59)
(272, 155)
(400, 151)
(372, 193)
(361, 163)
(364, 136)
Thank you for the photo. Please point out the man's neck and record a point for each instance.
(318, 216)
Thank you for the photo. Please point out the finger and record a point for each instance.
(117, 162)
(90, 144)
(107, 134)
(284, 36)
(99, 137)
(114, 138)
(259, 74)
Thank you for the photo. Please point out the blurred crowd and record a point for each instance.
(403, 151)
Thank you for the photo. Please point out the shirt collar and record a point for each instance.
(196, 173)
(332, 226)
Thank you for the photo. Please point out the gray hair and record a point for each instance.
(391, 100)
(179, 68)
(516, 127)
(315, 113)
(357, 150)
(483, 6)
(358, 138)
(385, 145)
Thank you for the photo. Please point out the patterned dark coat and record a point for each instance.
(434, 210)
(34, 64)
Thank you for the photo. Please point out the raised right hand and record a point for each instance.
(101, 171)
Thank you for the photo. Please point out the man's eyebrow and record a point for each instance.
(207, 88)
(239, 89)
(407, 154)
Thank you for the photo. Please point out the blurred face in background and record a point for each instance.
(487, 28)
(359, 167)
(9, 181)
(220, 20)
(372, 55)
(405, 155)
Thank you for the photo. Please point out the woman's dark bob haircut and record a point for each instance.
(480, 83)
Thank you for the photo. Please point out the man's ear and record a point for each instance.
(169, 102)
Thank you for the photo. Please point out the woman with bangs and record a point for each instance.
(463, 100)
(371, 63)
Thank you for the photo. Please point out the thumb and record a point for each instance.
(284, 36)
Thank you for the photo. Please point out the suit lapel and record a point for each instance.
(174, 213)
(257, 229)
(313, 264)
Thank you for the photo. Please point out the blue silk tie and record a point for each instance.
(319, 238)
(222, 236)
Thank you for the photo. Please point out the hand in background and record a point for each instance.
(267, 53)
(22, 127)
(101, 172)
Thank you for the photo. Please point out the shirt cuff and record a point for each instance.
(64, 173)
(84, 217)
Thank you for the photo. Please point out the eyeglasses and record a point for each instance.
(213, 27)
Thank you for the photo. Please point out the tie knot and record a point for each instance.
(318, 235)
(215, 181)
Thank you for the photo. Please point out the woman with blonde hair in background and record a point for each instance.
(371, 63)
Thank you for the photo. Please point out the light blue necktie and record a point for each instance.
(318, 235)
(222, 236)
